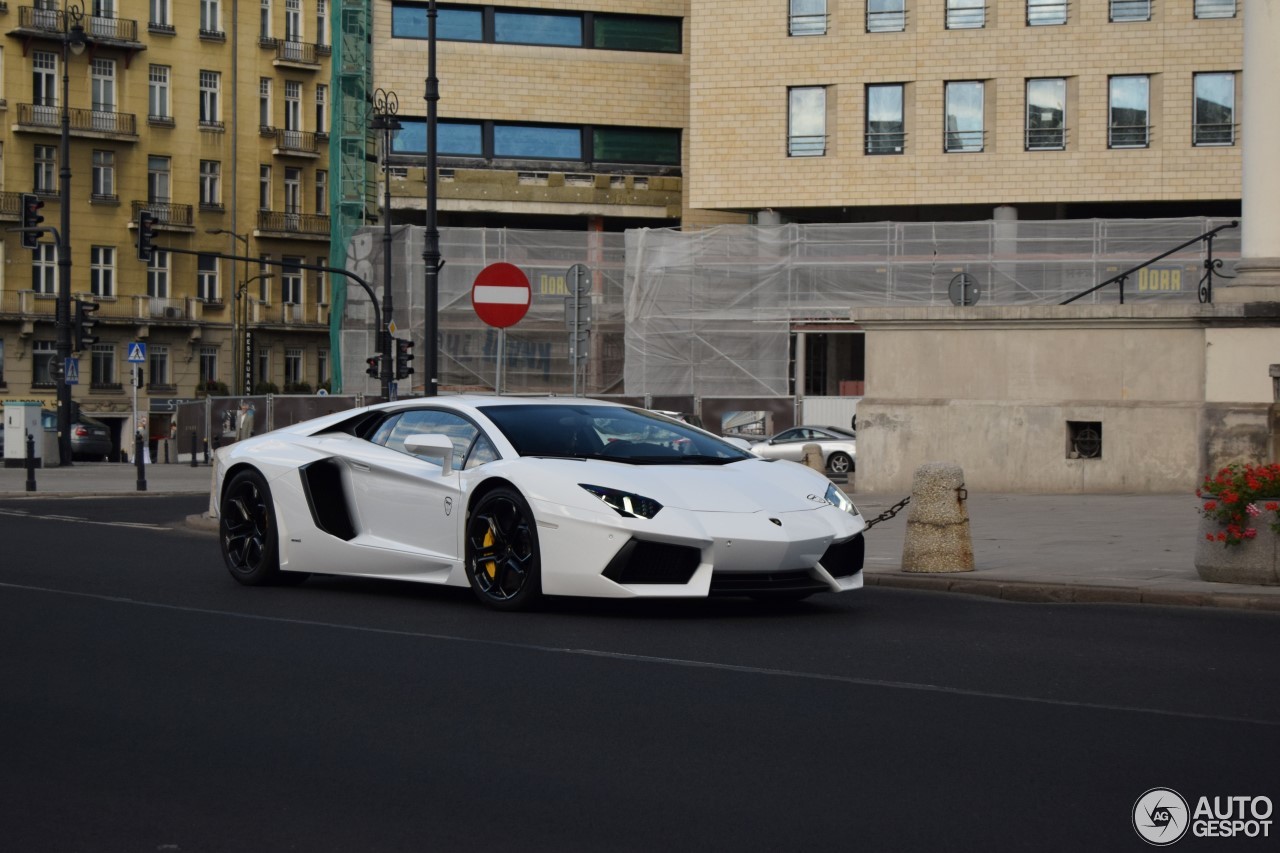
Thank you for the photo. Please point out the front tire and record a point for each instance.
(247, 529)
(839, 463)
(503, 563)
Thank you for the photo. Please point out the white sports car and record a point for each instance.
(518, 497)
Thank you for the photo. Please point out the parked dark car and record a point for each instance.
(90, 439)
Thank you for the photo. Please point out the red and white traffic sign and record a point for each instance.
(501, 295)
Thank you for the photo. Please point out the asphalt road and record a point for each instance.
(151, 703)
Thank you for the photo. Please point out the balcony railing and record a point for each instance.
(963, 140)
(293, 223)
(296, 142)
(886, 141)
(806, 146)
(49, 117)
(296, 52)
(809, 25)
(1043, 13)
(1046, 138)
(96, 27)
(10, 204)
(166, 213)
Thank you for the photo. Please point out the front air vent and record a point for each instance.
(640, 562)
(844, 559)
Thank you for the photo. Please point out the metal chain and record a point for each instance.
(889, 513)
(962, 494)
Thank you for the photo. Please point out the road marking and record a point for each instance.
(665, 661)
(137, 525)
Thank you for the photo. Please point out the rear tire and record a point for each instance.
(504, 567)
(840, 463)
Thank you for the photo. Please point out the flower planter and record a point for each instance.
(1253, 561)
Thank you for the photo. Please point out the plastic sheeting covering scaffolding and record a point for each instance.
(710, 313)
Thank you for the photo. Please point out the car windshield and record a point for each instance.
(585, 431)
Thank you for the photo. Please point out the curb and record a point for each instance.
(1058, 593)
(203, 523)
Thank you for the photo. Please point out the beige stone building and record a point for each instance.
(212, 115)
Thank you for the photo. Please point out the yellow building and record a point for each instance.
(210, 114)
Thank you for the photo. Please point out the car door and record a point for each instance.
(789, 444)
(404, 501)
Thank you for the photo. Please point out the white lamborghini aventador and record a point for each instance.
(519, 497)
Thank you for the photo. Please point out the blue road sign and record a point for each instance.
(71, 371)
(137, 353)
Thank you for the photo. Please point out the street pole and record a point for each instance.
(241, 292)
(431, 254)
(73, 41)
(385, 106)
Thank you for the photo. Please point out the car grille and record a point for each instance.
(844, 559)
(639, 561)
(747, 583)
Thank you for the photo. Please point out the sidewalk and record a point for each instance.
(1127, 549)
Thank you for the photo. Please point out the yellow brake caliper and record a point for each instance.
(490, 566)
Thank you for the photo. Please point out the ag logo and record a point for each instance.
(1160, 816)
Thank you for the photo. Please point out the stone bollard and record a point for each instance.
(813, 457)
(938, 537)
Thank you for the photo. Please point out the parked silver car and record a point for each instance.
(839, 450)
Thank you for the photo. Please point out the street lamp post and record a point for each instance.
(431, 253)
(73, 41)
(385, 106)
(237, 345)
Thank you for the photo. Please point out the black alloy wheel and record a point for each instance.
(503, 565)
(247, 530)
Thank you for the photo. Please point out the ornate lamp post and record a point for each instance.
(73, 41)
(385, 106)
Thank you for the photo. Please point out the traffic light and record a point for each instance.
(138, 380)
(146, 233)
(84, 322)
(374, 363)
(31, 218)
(404, 358)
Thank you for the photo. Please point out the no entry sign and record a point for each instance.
(501, 295)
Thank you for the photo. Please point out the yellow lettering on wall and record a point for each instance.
(552, 285)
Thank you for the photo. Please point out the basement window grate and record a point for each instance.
(1084, 439)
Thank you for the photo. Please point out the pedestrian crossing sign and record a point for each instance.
(71, 371)
(137, 353)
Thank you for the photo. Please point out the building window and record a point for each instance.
(1215, 121)
(157, 180)
(291, 280)
(208, 364)
(808, 18)
(322, 22)
(322, 192)
(634, 32)
(158, 93)
(292, 190)
(102, 271)
(264, 365)
(293, 20)
(886, 16)
(46, 168)
(264, 102)
(322, 282)
(322, 108)
(210, 17)
(160, 14)
(292, 367)
(103, 360)
(501, 25)
(965, 120)
(264, 187)
(210, 88)
(885, 127)
(635, 145)
(43, 354)
(1215, 8)
(547, 28)
(966, 14)
(1047, 114)
(102, 85)
(292, 105)
(1129, 124)
(322, 367)
(44, 269)
(1130, 10)
(264, 281)
(1044, 13)
(158, 274)
(207, 289)
(44, 85)
(807, 121)
(538, 142)
(104, 174)
(158, 364)
(210, 183)
(264, 20)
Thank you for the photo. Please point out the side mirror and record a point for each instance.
(740, 443)
(432, 446)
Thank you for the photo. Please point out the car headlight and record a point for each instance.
(625, 504)
(840, 500)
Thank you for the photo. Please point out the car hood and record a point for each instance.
(752, 485)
